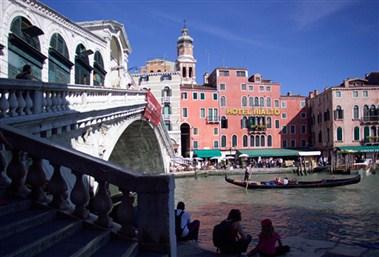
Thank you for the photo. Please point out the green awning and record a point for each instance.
(359, 149)
(271, 152)
(207, 153)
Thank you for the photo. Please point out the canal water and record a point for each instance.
(347, 214)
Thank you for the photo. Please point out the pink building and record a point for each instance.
(233, 111)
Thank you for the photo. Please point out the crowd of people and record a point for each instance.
(229, 236)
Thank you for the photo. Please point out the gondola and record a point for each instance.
(298, 184)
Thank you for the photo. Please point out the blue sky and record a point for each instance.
(304, 45)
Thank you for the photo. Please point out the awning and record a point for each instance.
(359, 149)
(272, 152)
(207, 153)
(309, 153)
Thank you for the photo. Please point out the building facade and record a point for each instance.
(345, 115)
(59, 50)
(233, 111)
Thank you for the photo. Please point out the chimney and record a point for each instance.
(289, 93)
(205, 78)
(315, 92)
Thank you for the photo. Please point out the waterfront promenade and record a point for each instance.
(300, 247)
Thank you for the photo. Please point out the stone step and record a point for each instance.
(117, 247)
(20, 221)
(14, 206)
(84, 243)
(37, 239)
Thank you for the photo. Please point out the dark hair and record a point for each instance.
(180, 206)
(234, 215)
(27, 68)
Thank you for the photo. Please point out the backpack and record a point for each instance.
(221, 232)
(178, 224)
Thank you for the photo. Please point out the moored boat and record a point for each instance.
(295, 184)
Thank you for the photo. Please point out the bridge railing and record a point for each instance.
(25, 97)
(155, 196)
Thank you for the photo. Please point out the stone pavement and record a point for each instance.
(300, 247)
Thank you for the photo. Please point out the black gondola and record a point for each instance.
(298, 184)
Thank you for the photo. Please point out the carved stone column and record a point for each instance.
(80, 197)
(37, 179)
(102, 204)
(4, 183)
(58, 188)
(125, 214)
(17, 173)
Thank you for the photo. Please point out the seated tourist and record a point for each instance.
(184, 228)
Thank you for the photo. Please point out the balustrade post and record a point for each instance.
(21, 103)
(37, 179)
(4, 104)
(39, 102)
(125, 214)
(155, 212)
(80, 197)
(29, 103)
(102, 204)
(17, 173)
(4, 183)
(13, 104)
(58, 188)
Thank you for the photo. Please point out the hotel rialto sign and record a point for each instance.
(255, 111)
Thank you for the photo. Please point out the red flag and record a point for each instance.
(152, 110)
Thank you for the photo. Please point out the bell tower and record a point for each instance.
(185, 62)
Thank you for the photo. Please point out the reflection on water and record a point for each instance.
(348, 214)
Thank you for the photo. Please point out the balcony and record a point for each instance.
(257, 129)
(166, 99)
(213, 119)
(373, 140)
(370, 119)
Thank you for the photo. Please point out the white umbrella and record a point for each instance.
(198, 158)
(229, 157)
(243, 155)
(215, 158)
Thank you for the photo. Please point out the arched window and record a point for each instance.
(223, 141)
(251, 101)
(257, 141)
(184, 72)
(339, 134)
(338, 113)
(244, 101)
(244, 122)
(356, 133)
(234, 141)
(166, 92)
(224, 122)
(59, 60)
(222, 101)
(256, 101)
(98, 70)
(372, 113)
(268, 100)
(269, 140)
(82, 67)
(262, 140)
(366, 132)
(356, 112)
(190, 72)
(251, 141)
(373, 131)
(366, 112)
(268, 122)
(262, 101)
(24, 48)
(245, 141)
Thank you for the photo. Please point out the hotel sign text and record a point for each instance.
(239, 111)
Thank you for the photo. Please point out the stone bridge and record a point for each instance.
(103, 122)
(52, 136)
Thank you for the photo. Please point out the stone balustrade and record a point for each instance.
(155, 194)
(19, 98)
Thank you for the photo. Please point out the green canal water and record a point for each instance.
(347, 214)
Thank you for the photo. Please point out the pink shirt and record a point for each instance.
(267, 244)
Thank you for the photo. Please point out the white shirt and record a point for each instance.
(285, 181)
(186, 219)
